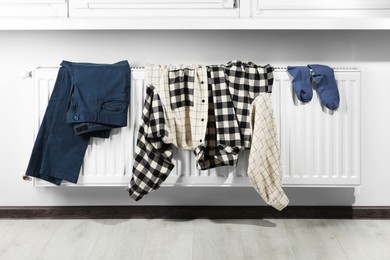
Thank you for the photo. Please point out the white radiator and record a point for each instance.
(317, 148)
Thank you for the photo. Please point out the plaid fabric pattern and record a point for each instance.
(228, 139)
(153, 157)
(232, 89)
(181, 87)
(245, 82)
(204, 109)
(264, 156)
(205, 154)
(186, 125)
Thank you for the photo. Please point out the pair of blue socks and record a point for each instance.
(326, 84)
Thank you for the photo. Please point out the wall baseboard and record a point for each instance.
(193, 212)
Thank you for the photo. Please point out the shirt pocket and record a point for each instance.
(181, 87)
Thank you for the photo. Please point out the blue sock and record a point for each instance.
(326, 86)
(301, 82)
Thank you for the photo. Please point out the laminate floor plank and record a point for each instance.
(354, 246)
(195, 239)
(169, 239)
(313, 239)
(265, 239)
(121, 239)
(328, 247)
(72, 239)
(383, 228)
(25, 239)
(373, 236)
(217, 239)
(5, 226)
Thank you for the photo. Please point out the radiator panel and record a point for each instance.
(317, 148)
(320, 147)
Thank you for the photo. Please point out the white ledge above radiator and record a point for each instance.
(259, 23)
(317, 148)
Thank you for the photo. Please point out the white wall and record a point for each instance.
(368, 50)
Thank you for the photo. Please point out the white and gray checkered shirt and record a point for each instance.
(204, 109)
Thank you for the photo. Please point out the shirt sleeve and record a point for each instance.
(264, 156)
(153, 157)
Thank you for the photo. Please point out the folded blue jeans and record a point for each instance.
(88, 100)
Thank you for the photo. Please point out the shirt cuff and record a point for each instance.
(281, 202)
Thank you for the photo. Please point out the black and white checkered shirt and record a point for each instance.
(204, 109)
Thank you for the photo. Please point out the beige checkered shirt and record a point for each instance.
(186, 125)
(264, 157)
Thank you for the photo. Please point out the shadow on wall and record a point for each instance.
(50, 47)
(192, 196)
(321, 196)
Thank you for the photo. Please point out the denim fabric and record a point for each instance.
(61, 143)
(99, 95)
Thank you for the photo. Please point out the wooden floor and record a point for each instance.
(195, 239)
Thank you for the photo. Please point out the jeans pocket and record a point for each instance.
(181, 87)
(114, 106)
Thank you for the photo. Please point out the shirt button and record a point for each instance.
(202, 82)
(76, 118)
(203, 100)
(200, 140)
